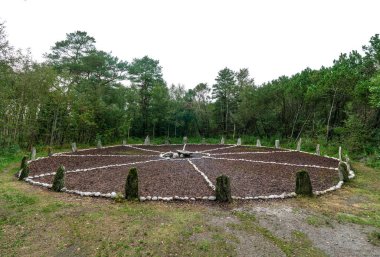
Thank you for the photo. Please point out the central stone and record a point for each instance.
(178, 154)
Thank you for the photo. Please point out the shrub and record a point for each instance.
(303, 183)
(24, 172)
(223, 189)
(132, 185)
(343, 172)
(59, 179)
(24, 161)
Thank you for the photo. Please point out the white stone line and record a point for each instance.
(107, 155)
(142, 149)
(96, 168)
(210, 184)
(279, 163)
(212, 154)
(219, 148)
(85, 149)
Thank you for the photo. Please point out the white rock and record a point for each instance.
(113, 195)
(142, 198)
(185, 198)
(108, 195)
(192, 199)
(149, 197)
(205, 198)
(97, 194)
(154, 198)
(212, 198)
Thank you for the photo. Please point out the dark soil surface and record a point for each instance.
(178, 177)
(161, 148)
(114, 150)
(253, 179)
(161, 178)
(238, 149)
(51, 164)
(285, 157)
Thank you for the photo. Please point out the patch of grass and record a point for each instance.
(319, 221)
(300, 245)
(374, 238)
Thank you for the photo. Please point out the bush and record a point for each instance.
(343, 172)
(132, 185)
(223, 189)
(303, 183)
(59, 179)
(24, 172)
(24, 161)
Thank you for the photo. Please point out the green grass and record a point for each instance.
(299, 245)
(37, 222)
(319, 221)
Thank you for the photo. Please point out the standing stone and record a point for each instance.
(99, 145)
(258, 143)
(299, 144)
(343, 172)
(203, 140)
(132, 185)
(348, 163)
(238, 141)
(318, 150)
(303, 183)
(50, 151)
(277, 143)
(147, 140)
(185, 140)
(223, 189)
(222, 141)
(340, 153)
(33, 155)
(167, 141)
(124, 142)
(74, 147)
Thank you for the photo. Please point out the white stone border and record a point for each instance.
(186, 198)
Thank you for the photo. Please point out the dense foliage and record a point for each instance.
(82, 94)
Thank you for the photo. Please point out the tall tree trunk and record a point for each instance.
(329, 118)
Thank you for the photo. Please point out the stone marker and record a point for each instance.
(147, 140)
(348, 163)
(167, 141)
(124, 142)
(318, 150)
(238, 141)
(343, 172)
(185, 140)
(222, 141)
(33, 155)
(132, 185)
(340, 153)
(73, 147)
(203, 140)
(99, 145)
(299, 144)
(223, 189)
(258, 143)
(303, 183)
(277, 143)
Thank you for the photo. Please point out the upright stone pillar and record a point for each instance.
(318, 150)
(124, 142)
(222, 141)
(299, 144)
(33, 154)
(185, 139)
(238, 141)
(277, 143)
(258, 143)
(99, 145)
(73, 147)
(147, 140)
(203, 140)
(340, 153)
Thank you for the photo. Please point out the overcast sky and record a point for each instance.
(194, 39)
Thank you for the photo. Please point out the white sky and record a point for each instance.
(195, 39)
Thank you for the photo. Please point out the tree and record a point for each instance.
(145, 73)
(225, 92)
